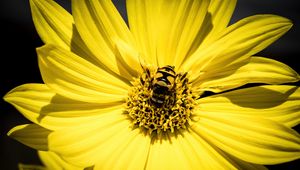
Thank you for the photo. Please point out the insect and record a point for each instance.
(163, 84)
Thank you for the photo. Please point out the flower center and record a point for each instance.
(161, 100)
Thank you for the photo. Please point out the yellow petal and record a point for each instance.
(132, 153)
(180, 21)
(129, 58)
(221, 12)
(76, 78)
(30, 167)
(278, 103)
(216, 20)
(245, 165)
(101, 142)
(42, 106)
(53, 23)
(56, 26)
(99, 23)
(258, 70)
(142, 27)
(53, 161)
(252, 139)
(185, 150)
(164, 30)
(236, 44)
(165, 153)
(31, 135)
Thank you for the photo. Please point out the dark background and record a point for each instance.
(19, 62)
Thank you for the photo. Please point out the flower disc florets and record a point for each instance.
(173, 113)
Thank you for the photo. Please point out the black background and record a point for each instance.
(19, 62)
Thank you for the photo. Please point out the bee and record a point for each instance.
(163, 84)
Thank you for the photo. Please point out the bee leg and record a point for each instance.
(148, 72)
(183, 76)
(142, 80)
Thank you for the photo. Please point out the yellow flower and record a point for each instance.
(135, 97)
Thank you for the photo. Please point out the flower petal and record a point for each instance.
(279, 103)
(221, 12)
(101, 143)
(132, 154)
(165, 153)
(129, 58)
(28, 167)
(99, 23)
(236, 44)
(31, 135)
(258, 70)
(42, 106)
(174, 152)
(180, 23)
(164, 30)
(142, 27)
(252, 139)
(56, 26)
(53, 23)
(245, 165)
(53, 161)
(76, 78)
(216, 20)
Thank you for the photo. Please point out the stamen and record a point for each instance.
(171, 113)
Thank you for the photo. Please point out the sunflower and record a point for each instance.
(163, 92)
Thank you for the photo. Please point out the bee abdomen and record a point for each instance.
(163, 85)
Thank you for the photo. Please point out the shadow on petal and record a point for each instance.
(200, 37)
(31, 135)
(262, 97)
(60, 106)
(78, 47)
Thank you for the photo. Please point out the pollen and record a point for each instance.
(174, 112)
